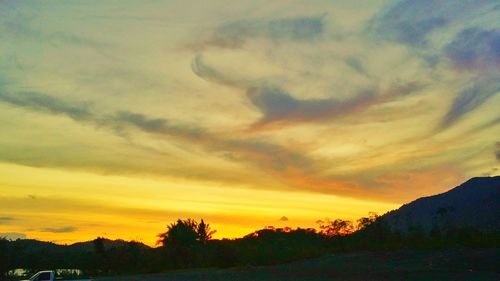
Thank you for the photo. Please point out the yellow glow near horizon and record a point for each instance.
(104, 205)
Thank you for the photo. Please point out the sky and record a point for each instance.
(118, 117)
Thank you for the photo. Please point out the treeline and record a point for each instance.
(189, 244)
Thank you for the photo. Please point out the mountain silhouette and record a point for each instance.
(88, 246)
(475, 203)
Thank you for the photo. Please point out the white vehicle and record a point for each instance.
(49, 275)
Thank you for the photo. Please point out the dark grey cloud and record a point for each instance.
(46, 103)
(6, 220)
(470, 98)
(235, 34)
(410, 22)
(475, 48)
(356, 64)
(156, 125)
(65, 229)
(211, 74)
(278, 106)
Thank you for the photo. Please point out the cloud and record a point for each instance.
(66, 229)
(81, 112)
(6, 220)
(410, 22)
(211, 74)
(300, 57)
(271, 158)
(156, 125)
(289, 167)
(235, 34)
(13, 235)
(45, 103)
(260, 153)
(283, 218)
(357, 65)
(469, 99)
(279, 107)
(410, 33)
(475, 48)
(20, 24)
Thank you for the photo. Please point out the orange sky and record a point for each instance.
(117, 121)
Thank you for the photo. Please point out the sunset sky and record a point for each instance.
(118, 117)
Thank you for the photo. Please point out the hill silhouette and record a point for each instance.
(43, 246)
(475, 203)
(467, 216)
(107, 243)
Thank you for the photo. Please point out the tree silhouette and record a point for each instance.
(185, 232)
(184, 240)
(204, 232)
(337, 227)
(364, 222)
(180, 233)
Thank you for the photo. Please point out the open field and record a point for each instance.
(455, 264)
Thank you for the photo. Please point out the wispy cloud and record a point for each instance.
(271, 158)
(411, 22)
(65, 229)
(235, 34)
(293, 168)
(156, 125)
(203, 70)
(296, 99)
(18, 23)
(46, 103)
(470, 98)
(475, 49)
(357, 65)
(6, 220)
(279, 107)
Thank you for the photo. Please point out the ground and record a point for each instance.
(454, 264)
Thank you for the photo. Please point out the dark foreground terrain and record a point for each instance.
(450, 264)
